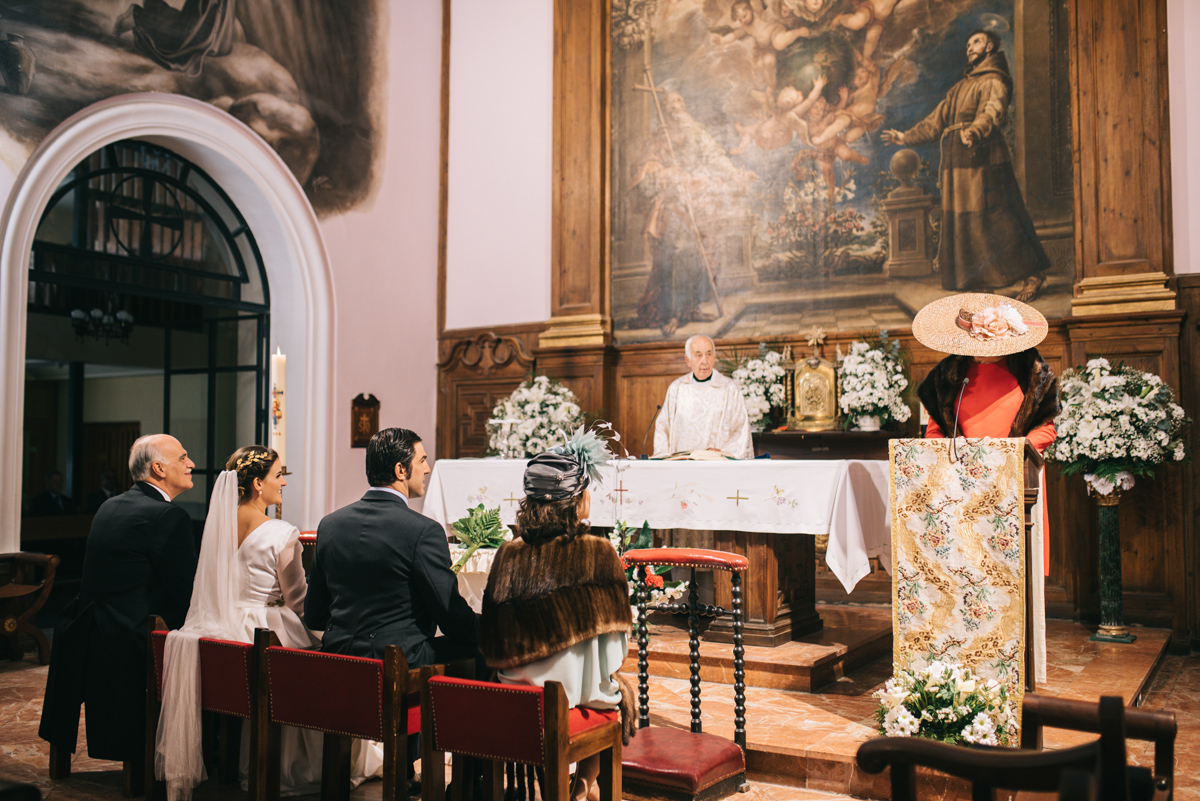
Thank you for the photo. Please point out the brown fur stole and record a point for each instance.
(543, 598)
(940, 390)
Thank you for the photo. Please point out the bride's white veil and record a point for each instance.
(213, 613)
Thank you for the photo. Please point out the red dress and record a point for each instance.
(988, 407)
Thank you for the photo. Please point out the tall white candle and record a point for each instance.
(278, 418)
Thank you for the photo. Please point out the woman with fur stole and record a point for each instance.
(556, 606)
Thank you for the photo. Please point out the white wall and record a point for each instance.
(499, 162)
(1183, 31)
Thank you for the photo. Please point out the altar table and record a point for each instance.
(846, 499)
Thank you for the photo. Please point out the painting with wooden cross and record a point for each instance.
(782, 164)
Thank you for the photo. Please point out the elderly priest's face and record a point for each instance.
(701, 357)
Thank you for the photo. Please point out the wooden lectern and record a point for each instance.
(963, 561)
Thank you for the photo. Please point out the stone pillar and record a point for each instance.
(907, 208)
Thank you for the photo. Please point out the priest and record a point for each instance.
(703, 410)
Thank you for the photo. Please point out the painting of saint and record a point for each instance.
(300, 73)
(760, 150)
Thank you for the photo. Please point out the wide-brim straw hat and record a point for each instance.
(951, 325)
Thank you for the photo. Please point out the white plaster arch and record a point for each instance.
(288, 235)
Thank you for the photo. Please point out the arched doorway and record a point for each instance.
(148, 310)
(287, 232)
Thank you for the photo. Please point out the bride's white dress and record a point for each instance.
(273, 586)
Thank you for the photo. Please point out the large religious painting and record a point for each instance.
(300, 73)
(778, 165)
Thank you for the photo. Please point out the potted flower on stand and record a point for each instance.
(535, 417)
(872, 380)
(1117, 424)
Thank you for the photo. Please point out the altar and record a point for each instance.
(761, 508)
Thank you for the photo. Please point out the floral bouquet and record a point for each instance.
(761, 380)
(533, 418)
(872, 382)
(1116, 423)
(945, 702)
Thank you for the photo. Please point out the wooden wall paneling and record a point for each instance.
(1188, 287)
(587, 371)
(477, 368)
(1122, 155)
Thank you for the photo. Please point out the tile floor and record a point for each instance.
(798, 742)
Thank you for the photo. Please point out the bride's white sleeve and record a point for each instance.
(292, 581)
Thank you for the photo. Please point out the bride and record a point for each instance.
(250, 575)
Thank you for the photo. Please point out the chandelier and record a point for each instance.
(102, 325)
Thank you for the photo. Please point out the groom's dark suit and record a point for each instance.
(140, 560)
(381, 576)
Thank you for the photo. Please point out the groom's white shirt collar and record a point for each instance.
(392, 490)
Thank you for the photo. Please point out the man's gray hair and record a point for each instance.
(145, 451)
(687, 346)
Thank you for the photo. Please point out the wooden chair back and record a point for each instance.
(501, 723)
(1039, 712)
(22, 594)
(374, 699)
(1023, 770)
(229, 680)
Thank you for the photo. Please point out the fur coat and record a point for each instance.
(940, 390)
(546, 597)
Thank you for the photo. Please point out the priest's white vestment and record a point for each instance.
(703, 414)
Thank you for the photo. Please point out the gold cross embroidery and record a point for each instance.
(511, 499)
(736, 497)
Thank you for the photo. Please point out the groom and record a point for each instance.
(381, 574)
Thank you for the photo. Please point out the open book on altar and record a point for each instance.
(703, 455)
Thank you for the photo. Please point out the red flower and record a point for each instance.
(654, 581)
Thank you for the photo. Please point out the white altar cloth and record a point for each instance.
(846, 499)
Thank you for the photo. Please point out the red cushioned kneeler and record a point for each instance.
(670, 763)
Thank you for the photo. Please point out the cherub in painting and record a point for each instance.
(792, 108)
(859, 115)
(752, 19)
(871, 15)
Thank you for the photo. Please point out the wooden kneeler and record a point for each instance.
(668, 763)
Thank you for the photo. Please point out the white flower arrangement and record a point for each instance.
(1116, 423)
(761, 380)
(535, 417)
(945, 702)
(872, 381)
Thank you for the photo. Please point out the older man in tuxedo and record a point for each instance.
(140, 560)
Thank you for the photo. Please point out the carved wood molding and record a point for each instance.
(486, 353)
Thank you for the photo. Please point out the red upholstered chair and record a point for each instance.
(662, 762)
(344, 697)
(501, 723)
(229, 686)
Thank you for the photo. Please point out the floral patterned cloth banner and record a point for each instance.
(846, 499)
(958, 560)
